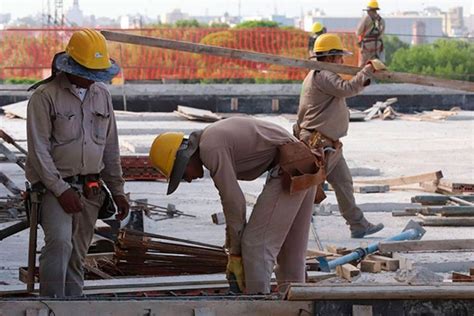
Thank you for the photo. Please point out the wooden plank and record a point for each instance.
(460, 201)
(387, 264)
(197, 114)
(218, 218)
(348, 271)
(447, 221)
(426, 245)
(438, 199)
(371, 188)
(430, 176)
(280, 60)
(371, 266)
(460, 277)
(381, 292)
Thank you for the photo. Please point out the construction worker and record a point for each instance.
(72, 149)
(323, 118)
(317, 29)
(369, 33)
(243, 148)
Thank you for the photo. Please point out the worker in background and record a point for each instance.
(72, 149)
(369, 33)
(244, 148)
(323, 118)
(317, 29)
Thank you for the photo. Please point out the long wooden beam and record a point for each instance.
(281, 60)
(427, 245)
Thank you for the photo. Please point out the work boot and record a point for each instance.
(372, 229)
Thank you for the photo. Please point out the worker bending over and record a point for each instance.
(244, 148)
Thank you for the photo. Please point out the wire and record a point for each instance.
(433, 36)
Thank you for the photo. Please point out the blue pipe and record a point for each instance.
(413, 231)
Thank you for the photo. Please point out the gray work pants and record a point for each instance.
(277, 232)
(67, 238)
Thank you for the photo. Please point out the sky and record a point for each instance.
(153, 8)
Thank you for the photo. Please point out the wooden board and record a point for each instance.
(371, 188)
(438, 199)
(447, 221)
(426, 245)
(371, 266)
(456, 187)
(430, 176)
(194, 114)
(281, 60)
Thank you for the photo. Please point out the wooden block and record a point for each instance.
(348, 271)
(338, 250)
(456, 187)
(218, 218)
(460, 277)
(371, 188)
(370, 266)
(471, 271)
(388, 264)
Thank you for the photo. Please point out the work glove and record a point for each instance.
(235, 268)
(122, 207)
(377, 64)
(70, 201)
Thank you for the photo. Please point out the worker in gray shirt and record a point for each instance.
(72, 151)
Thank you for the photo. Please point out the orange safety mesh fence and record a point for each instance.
(27, 53)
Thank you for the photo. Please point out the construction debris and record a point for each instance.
(379, 109)
(150, 210)
(194, 114)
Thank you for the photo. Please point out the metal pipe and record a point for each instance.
(413, 231)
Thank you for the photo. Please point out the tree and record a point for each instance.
(391, 45)
(256, 24)
(450, 59)
(187, 23)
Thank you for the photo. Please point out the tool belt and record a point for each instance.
(301, 169)
(82, 179)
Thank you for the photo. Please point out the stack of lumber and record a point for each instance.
(442, 210)
(373, 263)
(384, 185)
(139, 253)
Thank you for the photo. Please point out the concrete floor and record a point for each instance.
(396, 148)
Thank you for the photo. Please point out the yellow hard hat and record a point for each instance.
(163, 151)
(317, 27)
(329, 45)
(89, 49)
(373, 5)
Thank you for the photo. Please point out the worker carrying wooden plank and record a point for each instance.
(369, 33)
(244, 148)
(73, 147)
(323, 118)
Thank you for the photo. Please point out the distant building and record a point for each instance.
(400, 24)
(174, 16)
(5, 18)
(74, 15)
(283, 20)
(455, 22)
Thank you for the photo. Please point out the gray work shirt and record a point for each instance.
(67, 136)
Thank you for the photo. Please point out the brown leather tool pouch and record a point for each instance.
(301, 169)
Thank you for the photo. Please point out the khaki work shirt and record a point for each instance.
(323, 102)
(240, 148)
(67, 136)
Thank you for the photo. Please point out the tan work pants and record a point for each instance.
(340, 178)
(277, 232)
(67, 238)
